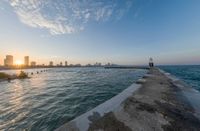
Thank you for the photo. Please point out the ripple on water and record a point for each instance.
(49, 99)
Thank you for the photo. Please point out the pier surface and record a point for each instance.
(157, 105)
(126, 67)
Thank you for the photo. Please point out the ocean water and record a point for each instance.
(188, 73)
(49, 99)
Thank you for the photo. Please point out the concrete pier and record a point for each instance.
(157, 103)
(126, 67)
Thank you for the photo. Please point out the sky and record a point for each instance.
(124, 32)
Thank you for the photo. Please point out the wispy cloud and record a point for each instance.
(68, 16)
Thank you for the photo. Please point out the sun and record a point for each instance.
(18, 62)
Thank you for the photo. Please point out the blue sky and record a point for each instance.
(89, 31)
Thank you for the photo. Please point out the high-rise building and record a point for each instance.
(33, 63)
(61, 64)
(26, 60)
(66, 64)
(8, 61)
(51, 63)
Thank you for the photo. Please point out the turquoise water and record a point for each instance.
(188, 73)
(50, 99)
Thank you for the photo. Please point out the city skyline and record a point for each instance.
(125, 33)
(9, 61)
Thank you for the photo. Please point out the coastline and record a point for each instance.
(159, 103)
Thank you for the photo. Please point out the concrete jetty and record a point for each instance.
(157, 103)
(127, 67)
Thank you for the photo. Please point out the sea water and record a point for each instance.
(49, 99)
(187, 73)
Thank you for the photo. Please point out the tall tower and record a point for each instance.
(66, 64)
(26, 60)
(8, 61)
(51, 63)
(33, 63)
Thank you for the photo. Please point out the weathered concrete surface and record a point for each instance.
(158, 105)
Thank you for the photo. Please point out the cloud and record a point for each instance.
(68, 16)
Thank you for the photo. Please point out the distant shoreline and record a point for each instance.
(103, 66)
(40, 67)
(106, 67)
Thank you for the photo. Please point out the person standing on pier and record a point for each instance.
(151, 64)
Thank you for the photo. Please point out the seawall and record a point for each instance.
(157, 102)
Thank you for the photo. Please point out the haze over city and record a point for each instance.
(88, 31)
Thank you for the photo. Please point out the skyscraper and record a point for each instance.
(26, 60)
(51, 63)
(8, 61)
(33, 63)
(66, 64)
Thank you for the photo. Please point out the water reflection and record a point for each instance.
(49, 99)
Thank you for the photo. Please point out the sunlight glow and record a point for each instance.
(18, 62)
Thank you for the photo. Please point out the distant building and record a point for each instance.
(77, 65)
(97, 64)
(108, 64)
(26, 60)
(88, 65)
(8, 61)
(51, 63)
(66, 64)
(33, 63)
(61, 64)
(5, 62)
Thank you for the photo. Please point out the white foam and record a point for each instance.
(173, 78)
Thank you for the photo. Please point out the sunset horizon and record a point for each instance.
(99, 65)
(125, 33)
